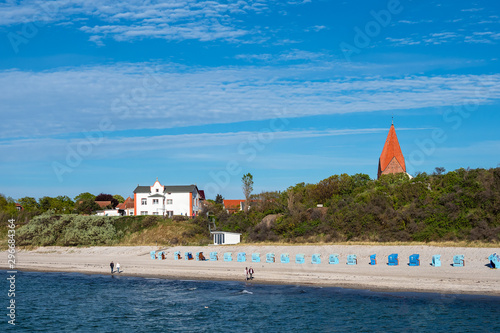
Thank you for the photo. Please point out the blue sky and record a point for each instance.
(100, 96)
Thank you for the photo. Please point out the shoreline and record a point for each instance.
(265, 282)
(472, 279)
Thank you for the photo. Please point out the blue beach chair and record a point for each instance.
(351, 259)
(414, 260)
(153, 255)
(333, 259)
(494, 261)
(285, 258)
(255, 257)
(393, 260)
(458, 260)
(270, 258)
(160, 255)
(228, 256)
(241, 257)
(213, 256)
(316, 258)
(177, 255)
(436, 260)
(373, 259)
(300, 258)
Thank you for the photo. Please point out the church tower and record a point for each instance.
(391, 160)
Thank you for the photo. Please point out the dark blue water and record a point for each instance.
(65, 302)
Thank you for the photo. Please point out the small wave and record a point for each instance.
(246, 292)
(191, 289)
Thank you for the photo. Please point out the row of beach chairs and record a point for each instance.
(393, 260)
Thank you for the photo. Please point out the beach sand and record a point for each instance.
(474, 278)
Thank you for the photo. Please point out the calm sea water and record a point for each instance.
(65, 302)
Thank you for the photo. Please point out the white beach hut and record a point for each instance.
(225, 237)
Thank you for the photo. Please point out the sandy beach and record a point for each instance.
(474, 278)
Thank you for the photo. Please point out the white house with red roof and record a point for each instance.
(186, 200)
(126, 208)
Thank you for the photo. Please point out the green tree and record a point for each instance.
(439, 170)
(219, 199)
(87, 206)
(247, 186)
(28, 203)
(7, 204)
(119, 198)
(63, 204)
(84, 196)
(45, 203)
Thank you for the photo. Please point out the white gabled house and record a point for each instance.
(167, 200)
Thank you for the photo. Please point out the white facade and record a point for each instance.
(167, 200)
(108, 212)
(224, 237)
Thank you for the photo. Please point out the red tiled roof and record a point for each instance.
(202, 194)
(391, 150)
(129, 203)
(103, 204)
(233, 204)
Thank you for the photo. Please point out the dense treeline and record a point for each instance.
(84, 203)
(458, 205)
(50, 229)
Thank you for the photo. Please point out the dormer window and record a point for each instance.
(157, 190)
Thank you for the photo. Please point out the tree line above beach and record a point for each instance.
(461, 205)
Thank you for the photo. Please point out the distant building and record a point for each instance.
(391, 160)
(233, 206)
(126, 208)
(19, 207)
(167, 200)
(102, 204)
(108, 212)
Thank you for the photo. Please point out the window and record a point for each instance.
(169, 201)
(155, 213)
(155, 201)
(144, 213)
(144, 201)
(157, 190)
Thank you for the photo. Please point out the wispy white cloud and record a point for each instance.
(128, 20)
(71, 100)
(57, 148)
(472, 9)
(438, 38)
(291, 55)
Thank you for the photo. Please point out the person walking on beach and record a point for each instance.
(250, 272)
(112, 265)
(118, 267)
(246, 273)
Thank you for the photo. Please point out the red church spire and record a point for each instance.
(391, 160)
